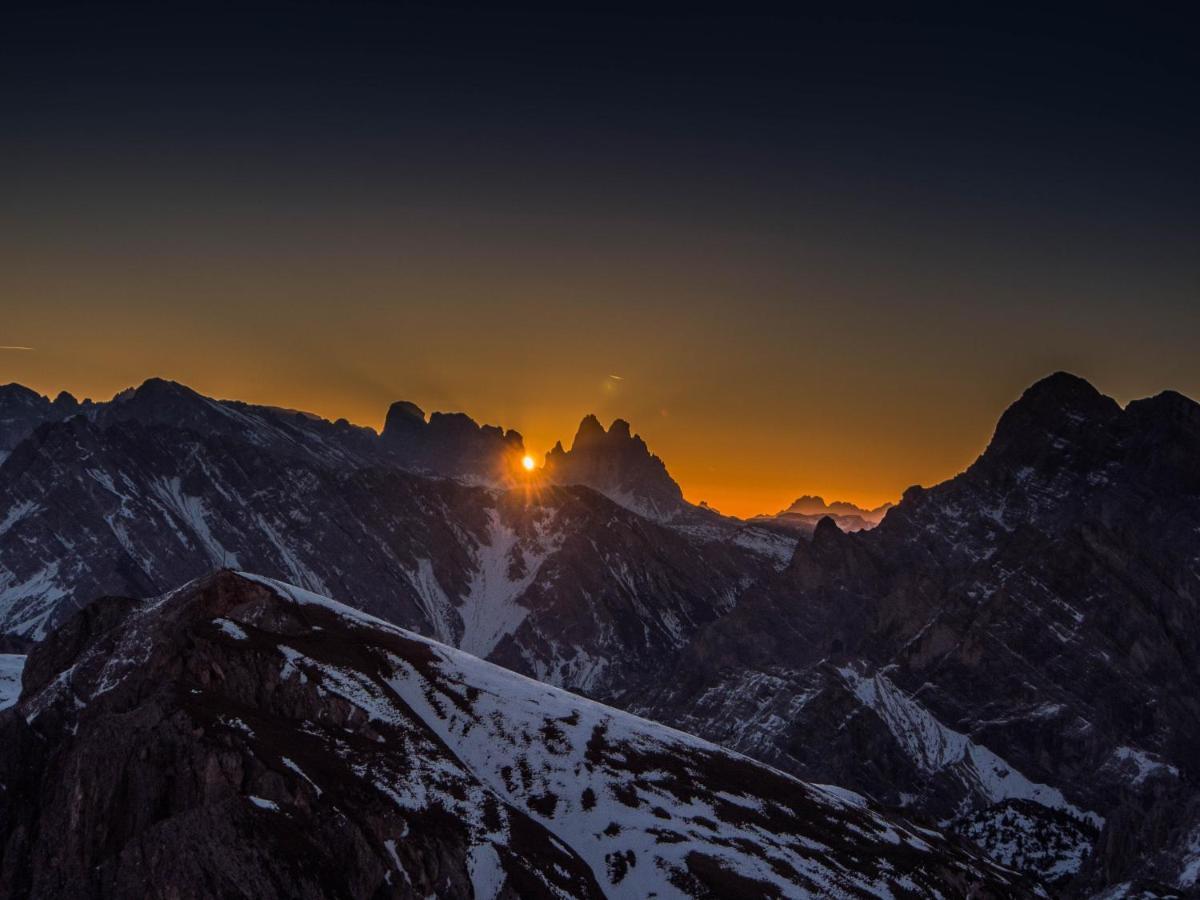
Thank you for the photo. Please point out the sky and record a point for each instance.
(819, 252)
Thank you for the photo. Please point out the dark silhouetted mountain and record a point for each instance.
(805, 512)
(241, 737)
(620, 466)
(811, 505)
(23, 410)
(451, 444)
(1015, 652)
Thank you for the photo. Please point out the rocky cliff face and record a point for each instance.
(23, 410)
(1026, 632)
(239, 736)
(620, 466)
(451, 444)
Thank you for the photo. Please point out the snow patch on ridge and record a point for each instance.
(191, 511)
(28, 603)
(11, 667)
(934, 747)
(1141, 765)
(504, 567)
(16, 513)
(433, 600)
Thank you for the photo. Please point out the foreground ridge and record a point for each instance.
(243, 735)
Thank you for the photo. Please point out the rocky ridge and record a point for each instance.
(239, 735)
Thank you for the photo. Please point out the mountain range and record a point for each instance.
(1008, 659)
(805, 512)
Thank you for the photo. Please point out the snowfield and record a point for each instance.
(650, 811)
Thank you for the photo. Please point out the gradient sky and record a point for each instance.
(821, 251)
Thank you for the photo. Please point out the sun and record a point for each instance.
(528, 462)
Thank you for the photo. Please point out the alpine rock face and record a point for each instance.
(619, 465)
(240, 736)
(23, 410)
(451, 444)
(1015, 652)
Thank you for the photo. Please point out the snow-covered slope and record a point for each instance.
(294, 717)
(934, 748)
(11, 666)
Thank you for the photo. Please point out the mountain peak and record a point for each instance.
(1057, 397)
(18, 393)
(827, 532)
(1063, 389)
(808, 503)
(618, 464)
(163, 387)
(1059, 411)
(66, 402)
(450, 443)
(619, 429)
(166, 402)
(589, 431)
(402, 411)
(22, 410)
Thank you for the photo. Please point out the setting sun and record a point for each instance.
(528, 463)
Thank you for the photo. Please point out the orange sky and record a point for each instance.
(852, 370)
(747, 442)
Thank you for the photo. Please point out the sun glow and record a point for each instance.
(528, 462)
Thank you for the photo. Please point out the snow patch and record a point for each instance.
(504, 567)
(934, 747)
(233, 629)
(1141, 765)
(487, 874)
(11, 667)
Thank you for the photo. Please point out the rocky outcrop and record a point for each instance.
(619, 465)
(451, 444)
(23, 410)
(239, 736)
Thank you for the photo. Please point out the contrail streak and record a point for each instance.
(15, 348)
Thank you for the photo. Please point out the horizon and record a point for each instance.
(812, 251)
(737, 505)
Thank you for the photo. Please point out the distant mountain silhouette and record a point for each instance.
(807, 511)
(811, 505)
